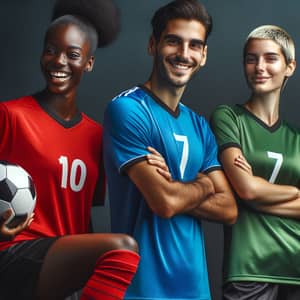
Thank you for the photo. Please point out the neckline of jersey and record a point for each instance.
(272, 128)
(175, 113)
(66, 124)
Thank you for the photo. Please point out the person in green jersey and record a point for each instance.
(260, 154)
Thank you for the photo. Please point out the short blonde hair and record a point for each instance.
(276, 34)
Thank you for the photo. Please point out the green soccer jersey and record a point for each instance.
(261, 247)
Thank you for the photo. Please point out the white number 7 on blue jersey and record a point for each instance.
(185, 152)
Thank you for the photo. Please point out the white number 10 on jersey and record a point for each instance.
(69, 175)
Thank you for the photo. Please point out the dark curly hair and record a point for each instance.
(99, 19)
(180, 9)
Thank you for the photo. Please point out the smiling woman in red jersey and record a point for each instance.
(260, 154)
(52, 255)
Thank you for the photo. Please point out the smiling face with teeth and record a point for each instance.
(180, 52)
(66, 56)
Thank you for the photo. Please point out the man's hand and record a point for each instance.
(157, 160)
(206, 183)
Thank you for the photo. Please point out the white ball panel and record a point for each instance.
(2, 172)
(18, 176)
(22, 202)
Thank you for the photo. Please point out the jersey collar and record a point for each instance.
(175, 113)
(66, 124)
(272, 128)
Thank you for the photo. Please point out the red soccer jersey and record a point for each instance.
(64, 160)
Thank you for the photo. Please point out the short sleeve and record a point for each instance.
(127, 132)
(224, 123)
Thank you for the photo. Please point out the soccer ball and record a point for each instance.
(17, 192)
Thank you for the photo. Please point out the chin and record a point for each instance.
(179, 83)
(57, 88)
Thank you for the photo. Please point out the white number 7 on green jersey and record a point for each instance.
(279, 159)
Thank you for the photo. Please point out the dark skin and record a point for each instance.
(65, 58)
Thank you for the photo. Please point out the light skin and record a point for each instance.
(265, 69)
(178, 55)
(289, 208)
(213, 208)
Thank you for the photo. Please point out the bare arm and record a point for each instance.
(220, 206)
(288, 208)
(252, 188)
(167, 198)
(156, 159)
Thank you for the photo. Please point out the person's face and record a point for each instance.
(65, 57)
(265, 66)
(179, 53)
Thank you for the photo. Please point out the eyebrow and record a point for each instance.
(174, 36)
(267, 53)
(53, 44)
(75, 47)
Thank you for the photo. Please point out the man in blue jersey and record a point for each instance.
(164, 215)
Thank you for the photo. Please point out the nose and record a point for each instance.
(60, 59)
(260, 64)
(184, 50)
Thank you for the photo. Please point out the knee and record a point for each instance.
(126, 242)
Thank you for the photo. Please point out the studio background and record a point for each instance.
(126, 63)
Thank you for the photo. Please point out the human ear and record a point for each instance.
(204, 56)
(90, 64)
(151, 45)
(290, 68)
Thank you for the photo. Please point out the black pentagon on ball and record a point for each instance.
(7, 190)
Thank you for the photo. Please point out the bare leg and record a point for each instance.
(71, 261)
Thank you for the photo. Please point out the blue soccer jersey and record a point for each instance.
(173, 263)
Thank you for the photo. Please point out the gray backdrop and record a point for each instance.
(126, 63)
